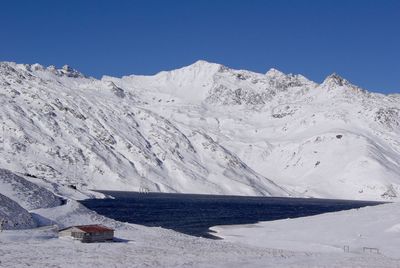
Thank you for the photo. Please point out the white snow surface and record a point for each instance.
(375, 228)
(139, 246)
(204, 128)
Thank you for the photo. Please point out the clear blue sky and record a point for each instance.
(358, 39)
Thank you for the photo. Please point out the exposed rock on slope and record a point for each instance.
(204, 128)
(13, 216)
(27, 194)
(93, 134)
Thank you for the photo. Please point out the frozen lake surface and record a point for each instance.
(194, 214)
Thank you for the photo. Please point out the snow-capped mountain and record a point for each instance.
(204, 128)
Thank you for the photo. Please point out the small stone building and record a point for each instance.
(88, 233)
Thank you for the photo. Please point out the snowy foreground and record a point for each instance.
(373, 230)
(304, 242)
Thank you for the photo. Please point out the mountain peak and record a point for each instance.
(67, 68)
(335, 80)
(204, 65)
(70, 72)
(274, 73)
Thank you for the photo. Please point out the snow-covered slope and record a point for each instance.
(73, 130)
(374, 228)
(204, 128)
(27, 194)
(13, 216)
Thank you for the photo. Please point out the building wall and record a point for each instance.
(65, 233)
(98, 237)
(87, 237)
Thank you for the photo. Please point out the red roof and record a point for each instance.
(94, 228)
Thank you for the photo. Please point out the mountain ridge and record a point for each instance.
(203, 128)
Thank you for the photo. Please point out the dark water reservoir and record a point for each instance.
(194, 214)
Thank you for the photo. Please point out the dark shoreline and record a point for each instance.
(112, 193)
